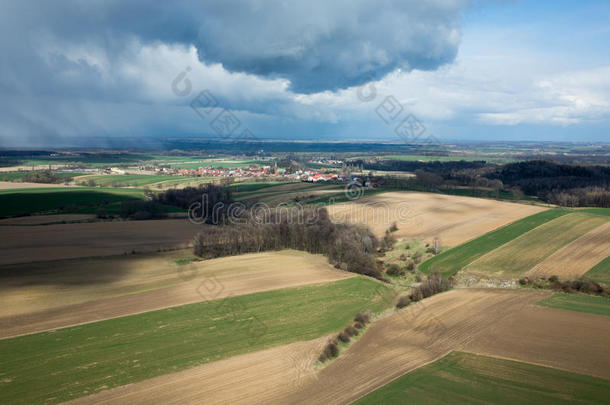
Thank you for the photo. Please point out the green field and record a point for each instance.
(61, 199)
(529, 249)
(578, 302)
(18, 176)
(453, 260)
(430, 158)
(596, 211)
(140, 180)
(465, 378)
(216, 163)
(248, 187)
(126, 180)
(601, 272)
(56, 366)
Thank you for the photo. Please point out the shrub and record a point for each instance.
(395, 270)
(363, 317)
(524, 281)
(330, 351)
(417, 257)
(358, 325)
(434, 284)
(410, 265)
(351, 331)
(403, 257)
(344, 337)
(393, 227)
(403, 302)
(553, 279)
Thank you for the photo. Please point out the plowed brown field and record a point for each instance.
(453, 219)
(53, 242)
(495, 322)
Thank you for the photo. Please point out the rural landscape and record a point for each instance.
(299, 230)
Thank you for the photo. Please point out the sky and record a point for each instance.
(350, 70)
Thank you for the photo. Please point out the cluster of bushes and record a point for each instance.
(208, 202)
(140, 210)
(45, 176)
(331, 350)
(567, 286)
(433, 284)
(349, 247)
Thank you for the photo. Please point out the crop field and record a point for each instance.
(498, 323)
(37, 200)
(466, 378)
(124, 180)
(576, 302)
(217, 163)
(453, 219)
(574, 259)
(601, 272)
(453, 260)
(85, 359)
(63, 241)
(18, 176)
(526, 251)
(95, 289)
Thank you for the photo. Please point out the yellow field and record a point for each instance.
(453, 219)
(523, 253)
(576, 258)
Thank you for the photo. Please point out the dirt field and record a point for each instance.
(140, 288)
(576, 258)
(426, 215)
(62, 241)
(528, 250)
(493, 322)
(45, 219)
(257, 374)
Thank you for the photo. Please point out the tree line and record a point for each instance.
(350, 247)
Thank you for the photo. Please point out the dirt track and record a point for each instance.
(495, 322)
(453, 219)
(212, 279)
(576, 258)
(53, 242)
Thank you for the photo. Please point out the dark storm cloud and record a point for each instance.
(318, 45)
(62, 70)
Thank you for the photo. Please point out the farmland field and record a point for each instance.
(85, 359)
(453, 219)
(95, 289)
(453, 260)
(34, 200)
(18, 176)
(492, 322)
(601, 272)
(576, 302)
(526, 251)
(466, 378)
(62, 241)
(123, 180)
(574, 259)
